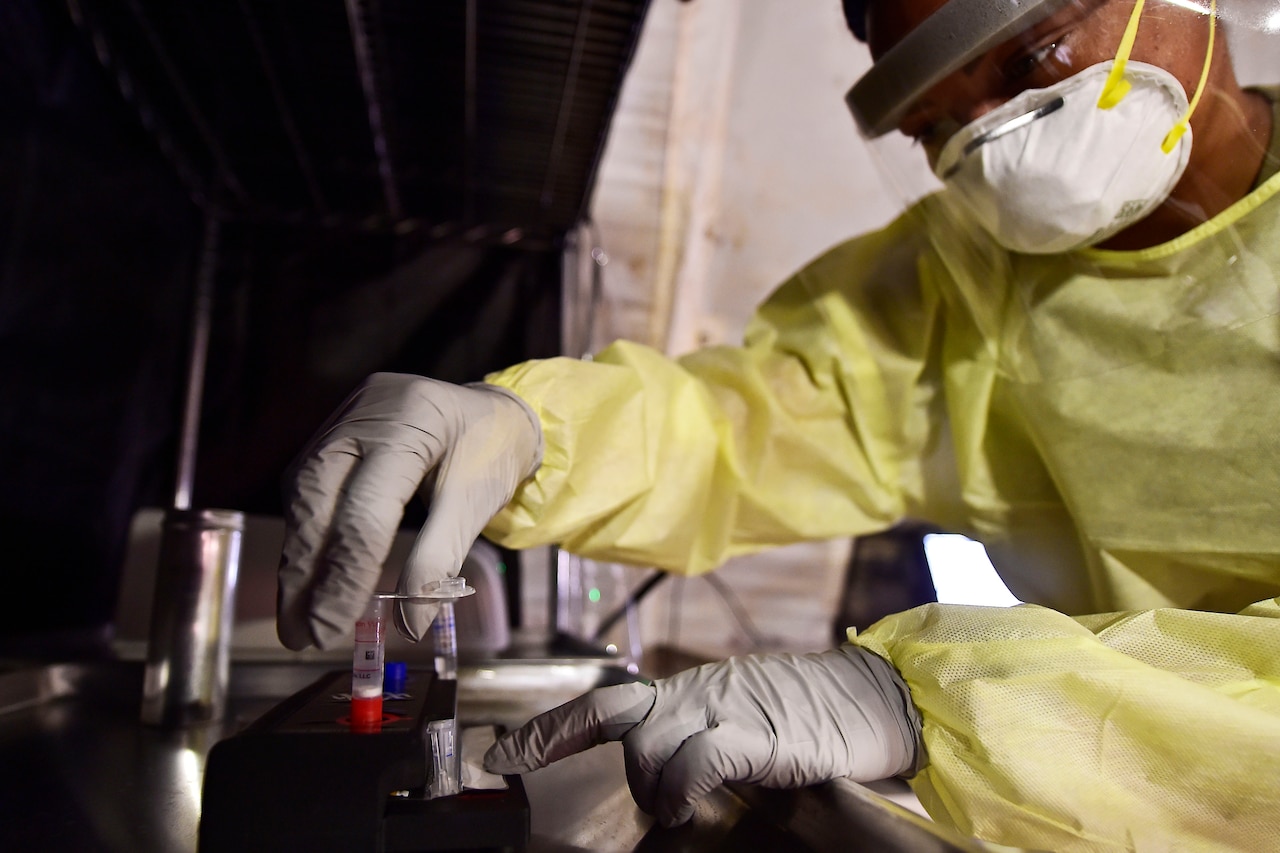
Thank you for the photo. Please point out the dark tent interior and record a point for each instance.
(274, 197)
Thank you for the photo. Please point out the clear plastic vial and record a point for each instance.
(366, 666)
(444, 636)
(445, 758)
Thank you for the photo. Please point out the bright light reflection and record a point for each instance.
(1190, 6)
(188, 771)
(962, 572)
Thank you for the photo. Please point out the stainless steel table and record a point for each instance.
(78, 772)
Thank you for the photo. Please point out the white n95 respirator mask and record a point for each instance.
(1057, 169)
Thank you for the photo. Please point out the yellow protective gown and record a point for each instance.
(1107, 423)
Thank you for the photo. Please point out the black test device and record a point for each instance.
(301, 778)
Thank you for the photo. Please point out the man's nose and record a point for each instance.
(965, 95)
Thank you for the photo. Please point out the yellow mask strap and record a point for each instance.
(1172, 137)
(1116, 87)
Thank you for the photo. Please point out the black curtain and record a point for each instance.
(100, 242)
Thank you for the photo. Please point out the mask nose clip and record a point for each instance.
(1018, 121)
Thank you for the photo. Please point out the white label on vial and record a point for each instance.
(366, 662)
(367, 658)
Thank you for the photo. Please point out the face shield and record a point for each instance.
(1062, 124)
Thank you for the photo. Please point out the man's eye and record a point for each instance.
(1030, 62)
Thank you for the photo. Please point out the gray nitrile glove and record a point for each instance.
(471, 446)
(783, 721)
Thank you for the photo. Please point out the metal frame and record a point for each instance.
(359, 15)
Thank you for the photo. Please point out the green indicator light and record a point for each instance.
(502, 568)
(593, 594)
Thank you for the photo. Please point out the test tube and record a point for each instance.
(442, 735)
(444, 629)
(366, 667)
(446, 758)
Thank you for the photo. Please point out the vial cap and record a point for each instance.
(394, 674)
(366, 714)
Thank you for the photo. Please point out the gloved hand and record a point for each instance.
(783, 721)
(471, 446)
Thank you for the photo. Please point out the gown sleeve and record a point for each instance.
(814, 428)
(1144, 730)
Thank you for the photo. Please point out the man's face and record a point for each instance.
(1081, 34)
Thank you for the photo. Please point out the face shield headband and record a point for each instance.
(948, 39)
(945, 41)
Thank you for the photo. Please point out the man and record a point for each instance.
(1090, 307)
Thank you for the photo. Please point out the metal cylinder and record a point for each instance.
(192, 614)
